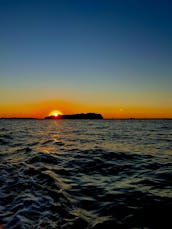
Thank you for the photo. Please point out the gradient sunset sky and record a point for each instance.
(104, 56)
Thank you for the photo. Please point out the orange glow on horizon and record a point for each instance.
(46, 108)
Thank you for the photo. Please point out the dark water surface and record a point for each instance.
(86, 174)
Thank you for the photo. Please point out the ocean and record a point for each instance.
(86, 174)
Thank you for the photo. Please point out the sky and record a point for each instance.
(103, 56)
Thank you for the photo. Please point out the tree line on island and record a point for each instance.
(77, 116)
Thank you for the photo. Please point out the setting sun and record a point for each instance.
(55, 113)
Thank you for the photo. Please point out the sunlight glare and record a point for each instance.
(55, 113)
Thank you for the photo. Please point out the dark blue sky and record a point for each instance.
(114, 52)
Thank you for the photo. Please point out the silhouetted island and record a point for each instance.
(77, 116)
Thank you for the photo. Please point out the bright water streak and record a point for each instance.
(86, 174)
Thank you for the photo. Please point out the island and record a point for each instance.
(77, 116)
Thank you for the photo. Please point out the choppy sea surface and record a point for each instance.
(86, 174)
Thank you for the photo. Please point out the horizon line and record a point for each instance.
(132, 118)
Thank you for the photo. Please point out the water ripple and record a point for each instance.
(114, 174)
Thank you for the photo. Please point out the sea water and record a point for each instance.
(86, 174)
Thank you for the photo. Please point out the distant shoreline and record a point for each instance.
(132, 119)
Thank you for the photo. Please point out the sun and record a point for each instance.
(55, 113)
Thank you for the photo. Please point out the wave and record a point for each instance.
(62, 182)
